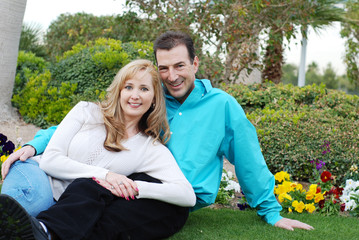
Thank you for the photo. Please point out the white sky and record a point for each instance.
(323, 48)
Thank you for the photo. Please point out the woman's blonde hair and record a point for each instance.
(153, 122)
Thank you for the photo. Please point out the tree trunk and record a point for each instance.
(273, 59)
(301, 73)
(11, 17)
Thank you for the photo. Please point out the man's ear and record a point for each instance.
(195, 64)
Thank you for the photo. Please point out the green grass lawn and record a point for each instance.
(227, 224)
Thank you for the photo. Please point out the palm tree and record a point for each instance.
(325, 14)
(317, 14)
(30, 40)
(11, 17)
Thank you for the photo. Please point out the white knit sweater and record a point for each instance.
(76, 151)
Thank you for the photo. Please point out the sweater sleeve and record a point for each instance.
(241, 148)
(175, 188)
(41, 139)
(55, 161)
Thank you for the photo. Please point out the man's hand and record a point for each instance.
(22, 154)
(290, 224)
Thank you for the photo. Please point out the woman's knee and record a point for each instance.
(28, 185)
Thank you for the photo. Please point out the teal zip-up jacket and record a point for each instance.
(208, 126)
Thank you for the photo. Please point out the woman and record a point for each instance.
(118, 144)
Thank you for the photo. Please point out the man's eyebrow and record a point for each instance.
(181, 62)
(175, 64)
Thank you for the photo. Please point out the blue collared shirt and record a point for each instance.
(209, 125)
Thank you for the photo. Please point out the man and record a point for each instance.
(206, 125)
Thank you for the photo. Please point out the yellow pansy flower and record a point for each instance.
(313, 188)
(312, 191)
(298, 206)
(309, 196)
(3, 158)
(299, 187)
(283, 196)
(318, 197)
(281, 176)
(310, 207)
(283, 188)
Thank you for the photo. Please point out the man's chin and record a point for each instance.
(176, 93)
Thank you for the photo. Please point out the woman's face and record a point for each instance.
(137, 96)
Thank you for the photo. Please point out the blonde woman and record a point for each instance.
(123, 171)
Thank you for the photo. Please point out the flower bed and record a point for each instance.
(323, 194)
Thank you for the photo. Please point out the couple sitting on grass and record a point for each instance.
(105, 173)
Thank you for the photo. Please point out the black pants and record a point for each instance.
(87, 210)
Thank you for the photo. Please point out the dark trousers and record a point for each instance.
(87, 210)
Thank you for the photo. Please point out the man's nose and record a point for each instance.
(172, 75)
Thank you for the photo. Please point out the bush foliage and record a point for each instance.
(293, 124)
(47, 94)
(92, 66)
(27, 63)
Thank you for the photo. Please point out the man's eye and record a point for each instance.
(162, 69)
(180, 66)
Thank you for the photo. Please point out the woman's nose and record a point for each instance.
(135, 95)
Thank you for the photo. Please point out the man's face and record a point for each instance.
(176, 71)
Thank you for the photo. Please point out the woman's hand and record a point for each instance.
(119, 185)
(22, 154)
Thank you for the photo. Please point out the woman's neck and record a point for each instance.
(131, 128)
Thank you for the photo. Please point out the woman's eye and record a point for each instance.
(144, 89)
(128, 87)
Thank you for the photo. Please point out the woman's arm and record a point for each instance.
(175, 188)
(55, 161)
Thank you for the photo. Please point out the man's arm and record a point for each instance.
(41, 139)
(241, 147)
(30, 149)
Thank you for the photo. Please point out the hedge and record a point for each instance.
(297, 125)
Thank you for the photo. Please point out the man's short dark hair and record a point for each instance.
(171, 39)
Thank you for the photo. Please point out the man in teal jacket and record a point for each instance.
(206, 125)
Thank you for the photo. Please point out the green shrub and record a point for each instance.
(293, 123)
(27, 64)
(94, 65)
(82, 73)
(43, 105)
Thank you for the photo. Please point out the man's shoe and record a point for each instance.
(16, 223)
